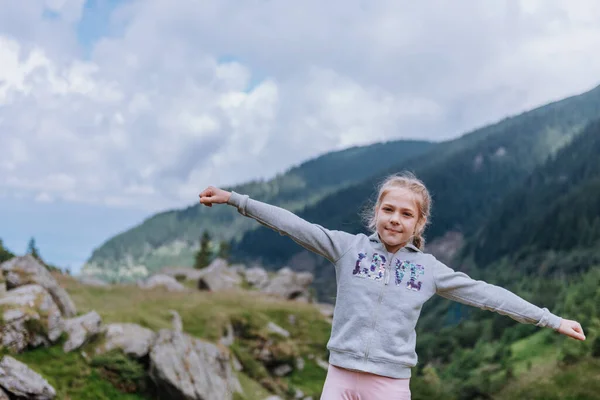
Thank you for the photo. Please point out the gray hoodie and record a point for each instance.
(380, 294)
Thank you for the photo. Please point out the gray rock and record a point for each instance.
(176, 321)
(3, 395)
(25, 270)
(300, 363)
(239, 268)
(292, 319)
(81, 329)
(322, 363)
(218, 277)
(282, 370)
(236, 364)
(273, 327)
(273, 398)
(257, 277)
(30, 318)
(290, 285)
(164, 281)
(134, 340)
(229, 338)
(188, 368)
(299, 394)
(19, 380)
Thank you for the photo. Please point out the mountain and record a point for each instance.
(556, 208)
(468, 178)
(171, 237)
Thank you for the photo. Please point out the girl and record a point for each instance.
(382, 282)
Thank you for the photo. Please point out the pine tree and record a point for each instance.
(32, 249)
(224, 249)
(203, 254)
(5, 254)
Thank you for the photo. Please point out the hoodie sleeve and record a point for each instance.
(329, 243)
(460, 287)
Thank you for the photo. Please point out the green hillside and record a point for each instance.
(170, 238)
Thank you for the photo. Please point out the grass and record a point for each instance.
(310, 380)
(71, 375)
(252, 389)
(206, 315)
(576, 382)
(536, 349)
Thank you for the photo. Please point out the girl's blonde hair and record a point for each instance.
(406, 180)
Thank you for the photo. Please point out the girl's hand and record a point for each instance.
(572, 329)
(212, 195)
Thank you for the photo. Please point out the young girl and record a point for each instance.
(382, 282)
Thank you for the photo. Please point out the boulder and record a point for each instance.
(22, 382)
(30, 318)
(164, 281)
(25, 270)
(81, 329)
(3, 395)
(134, 340)
(218, 277)
(289, 284)
(183, 367)
(257, 277)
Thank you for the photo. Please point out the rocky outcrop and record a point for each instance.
(188, 368)
(290, 285)
(257, 277)
(81, 329)
(22, 382)
(3, 395)
(134, 340)
(25, 270)
(219, 277)
(162, 281)
(30, 318)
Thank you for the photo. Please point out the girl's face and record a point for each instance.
(397, 218)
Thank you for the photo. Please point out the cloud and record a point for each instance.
(176, 95)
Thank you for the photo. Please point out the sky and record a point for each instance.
(113, 110)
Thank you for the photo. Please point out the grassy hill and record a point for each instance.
(540, 365)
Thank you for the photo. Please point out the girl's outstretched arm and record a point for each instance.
(328, 243)
(460, 287)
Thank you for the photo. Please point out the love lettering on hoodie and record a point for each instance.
(376, 270)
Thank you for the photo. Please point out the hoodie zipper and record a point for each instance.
(386, 279)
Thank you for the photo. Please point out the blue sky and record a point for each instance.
(95, 21)
(111, 111)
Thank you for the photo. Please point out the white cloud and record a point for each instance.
(154, 114)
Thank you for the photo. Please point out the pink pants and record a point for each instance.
(343, 384)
